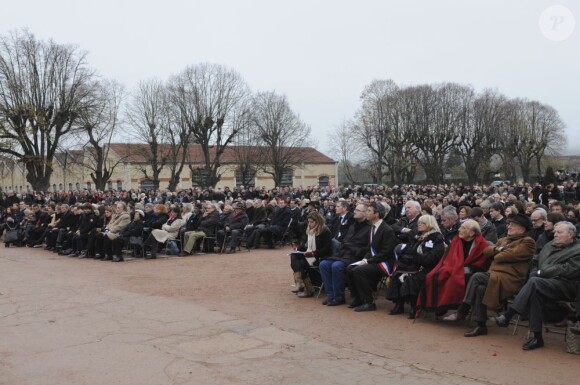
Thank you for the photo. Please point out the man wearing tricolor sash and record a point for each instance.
(364, 275)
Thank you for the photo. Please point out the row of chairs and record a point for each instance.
(207, 244)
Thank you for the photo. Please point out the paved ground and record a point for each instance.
(230, 319)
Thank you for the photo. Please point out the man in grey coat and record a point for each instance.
(554, 280)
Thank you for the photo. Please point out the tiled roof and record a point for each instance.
(134, 153)
(72, 156)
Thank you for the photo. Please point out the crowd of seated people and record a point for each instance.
(453, 250)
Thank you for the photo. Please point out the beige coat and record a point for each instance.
(168, 231)
(508, 270)
(117, 224)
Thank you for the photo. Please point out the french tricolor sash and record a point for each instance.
(386, 267)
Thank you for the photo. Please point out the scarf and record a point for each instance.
(311, 242)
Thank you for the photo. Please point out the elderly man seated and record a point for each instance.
(234, 226)
(444, 286)
(511, 257)
(554, 280)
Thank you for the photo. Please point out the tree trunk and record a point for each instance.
(38, 176)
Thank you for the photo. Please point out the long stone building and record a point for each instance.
(72, 170)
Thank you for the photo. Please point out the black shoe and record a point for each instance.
(501, 321)
(476, 331)
(533, 343)
(151, 256)
(412, 314)
(98, 256)
(232, 250)
(326, 301)
(336, 302)
(355, 303)
(107, 258)
(117, 258)
(366, 307)
(73, 254)
(440, 312)
(398, 309)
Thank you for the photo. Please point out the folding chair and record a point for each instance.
(134, 242)
(228, 239)
(318, 287)
(287, 232)
(208, 242)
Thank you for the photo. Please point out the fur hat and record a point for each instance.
(521, 220)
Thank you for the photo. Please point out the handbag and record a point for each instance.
(407, 263)
(572, 340)
(11, 236)
(171, 248)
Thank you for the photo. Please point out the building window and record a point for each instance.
(110, 185)
(54, 187)
(70, 187)
(89, 186)
(78, 186)
(200, 177)
(119, 185)
(147, 185)
(323, 181)
(287, 176)
(60, 187)
(245, 177)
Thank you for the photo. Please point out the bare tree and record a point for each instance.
(436, 123)
(535, 129)
(549, 132)
(247, 152)
(44, 88)
(373, 124)
(281, 131)
(99, 125)
(480, 125)
(212, 104)
(147, 114)
(348, 150)
(177, 132)
(402, 160)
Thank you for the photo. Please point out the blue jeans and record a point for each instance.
(333, 275)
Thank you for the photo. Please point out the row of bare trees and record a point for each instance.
(433, 127)
(51, 100)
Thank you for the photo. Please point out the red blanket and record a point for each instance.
(445, 284)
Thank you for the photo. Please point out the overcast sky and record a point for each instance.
(321, 54)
